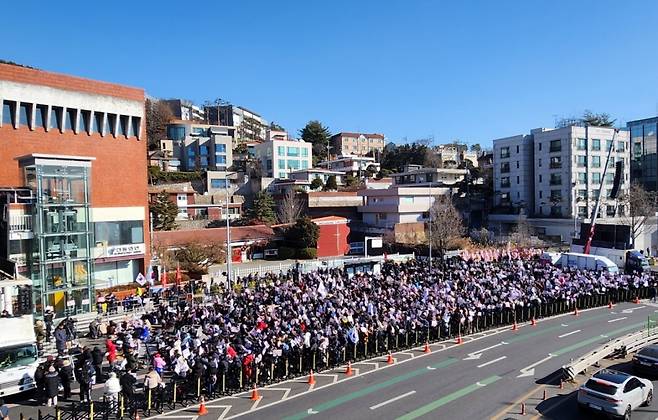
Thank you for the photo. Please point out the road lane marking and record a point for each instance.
(431, 368)
(568, 334)
(255, 404)
(330, 375)
(373, 388)
(618, 319)
(491, 362)
(421, 411)
(399, 397)
(547, 330)
(530, 370)
(589, 341)
(477, 354)
(630, 310)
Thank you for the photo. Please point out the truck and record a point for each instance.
(586, 262)
(629, 260)
(19, 356)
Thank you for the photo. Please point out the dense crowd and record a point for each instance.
(262, 320)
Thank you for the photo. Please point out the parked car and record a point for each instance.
(646, 360)
(616, 393)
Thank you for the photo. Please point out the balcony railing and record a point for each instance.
(20, 222)
(555, 182)
(555, 165)
(554, 149)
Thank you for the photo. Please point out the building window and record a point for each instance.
(517, 164)
(517, 148)
(123, 125)
(610, 211)
(609, 178)
(582, 211)
(218, 183)
(282, 164)
(293, 151)
(608, 145)
(596, 144)
(581, 144)
(556, 162)
(596, 178)
(70, 122)
(504, 182)
(518, 180)
(203, 150)
(203, 161)
(504, 167)
(556, 195)
(41, 117)
(595, 194)
(556, 179)
(56, 115)
(220, 148)
(304, 152)
(111, 124)
(8, 113)
(381, 216)
(581, 161)
(136, 126)
(539, 164)
(596, 161)
(175, 132)
(556, 146)
(304, 164)
(504, 152)
(540, 178)
(97, 123)
(281, 150)
(220, 159)
(582, 194)
(539, 147)
(293, 164)
(283, 175)
(582, 178)
(25, 115)
(84, 121)
(621, 146)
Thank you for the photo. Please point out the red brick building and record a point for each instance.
(74, 184)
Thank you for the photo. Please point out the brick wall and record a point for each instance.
(61, 81)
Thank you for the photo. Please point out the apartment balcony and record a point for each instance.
(555, 165)
(555, 182)
(555, 149)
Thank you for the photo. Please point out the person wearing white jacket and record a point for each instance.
(112, 388)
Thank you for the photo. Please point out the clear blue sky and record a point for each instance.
(468, 70)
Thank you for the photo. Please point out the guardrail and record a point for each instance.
(625, 344)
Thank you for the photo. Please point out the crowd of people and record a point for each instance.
(263, 320)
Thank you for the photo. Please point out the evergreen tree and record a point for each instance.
(262, 210)
(164, 212)
(303, 234)
(331, 184)
(318, 135)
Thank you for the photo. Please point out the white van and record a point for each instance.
(587, 262)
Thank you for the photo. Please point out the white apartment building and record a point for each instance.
(513, 173)
(351, 165)
(555, 176)
(568, 169)
(281, 157)
(384, 208)
(429, 176)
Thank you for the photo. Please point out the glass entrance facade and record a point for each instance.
(61, 261)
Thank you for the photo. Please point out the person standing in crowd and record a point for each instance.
(48, 320)
(97, 359)
(111, 349)
(65, 377)
(128, 381)
(112, 388)
(60, 339)
(85, 375)
(52, 386)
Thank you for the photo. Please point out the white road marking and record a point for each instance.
(227, 408)
(604, 336)
(490, 362)
(255, 404)
(477, 354)
(375, 364)
(617, 319)
(311, 411)
(530, 370)
(431, 368)
(565, 325)
(630, 310)
(331, 375)
(399, 397)
(568, 334)
(407, 353)
(286, 391)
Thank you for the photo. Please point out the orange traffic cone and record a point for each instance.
(575, 311)
(610, 305)
(533, 322)
(311, 378)
(254, 394)
(202, 408)
(389, 359)
(515, 327)
(427, 348)
(637, 300)
(459, 339)
(349, 371)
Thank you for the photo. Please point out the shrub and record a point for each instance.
(307, 253)
(286, 253)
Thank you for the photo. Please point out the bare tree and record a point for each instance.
(522, 232)
(446, 224)
(640, 205)
(290, 207)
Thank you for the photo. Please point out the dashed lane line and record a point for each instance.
(399, 397)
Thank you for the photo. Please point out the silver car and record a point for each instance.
(615, 393)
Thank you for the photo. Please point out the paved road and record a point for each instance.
(481, 378)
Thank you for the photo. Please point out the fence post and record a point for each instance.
(406, 338)
(272, 371)
(224, 383)
(91, 410)
(256, 381)
(174, 395)
(40, 417)
(355, 350)
(148, 401)
(286, 366)
(313, 367)
(376, 341)
(122, 403)
(300, 361)
(198, 388)
(58, 413)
